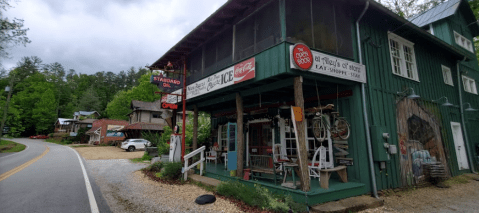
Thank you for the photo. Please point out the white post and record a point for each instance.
(185, 170)
(202, 159)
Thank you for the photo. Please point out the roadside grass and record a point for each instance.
(461, 179)
(145, 157)
(10, 146)
(75, 146)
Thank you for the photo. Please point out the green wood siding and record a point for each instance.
(383, 86)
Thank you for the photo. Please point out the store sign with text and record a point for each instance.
(305, 59)
(232, 75)
(164, 83)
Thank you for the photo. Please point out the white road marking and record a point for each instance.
(17, 152)
(91, 197)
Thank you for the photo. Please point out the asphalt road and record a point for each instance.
(53, 183)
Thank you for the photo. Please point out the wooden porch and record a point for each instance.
(337, 189)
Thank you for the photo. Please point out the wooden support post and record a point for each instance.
(173, 118)
(301, 143)
(239, 121)
(195, 127)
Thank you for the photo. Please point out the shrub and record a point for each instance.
(260, 197)
(156, 167)
(171, 170)
(146, 157)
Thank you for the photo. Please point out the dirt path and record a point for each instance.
(107, 152)
(460, 197)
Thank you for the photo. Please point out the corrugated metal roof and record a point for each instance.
(439, 12)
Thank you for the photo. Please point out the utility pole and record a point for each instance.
(9, 89)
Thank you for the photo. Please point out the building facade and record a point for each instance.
(104, 131)
(251, 60)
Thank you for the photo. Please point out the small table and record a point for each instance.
(290, 166)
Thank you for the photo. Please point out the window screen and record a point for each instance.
(298, 22)
(210, 56)
(329, 28)
(268, 27)
(244, 44)
(195, 66)
(224, 48)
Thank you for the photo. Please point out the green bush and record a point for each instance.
(146, 157)
(172, 170)
(260, 197)
(158, 141)
(156, 167)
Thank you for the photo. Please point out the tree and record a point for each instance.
(409, 8)
(89, 101)
(204, 129)
(12, 32)
(475, 9)
(119, 107)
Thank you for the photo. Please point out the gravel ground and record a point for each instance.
(127, 190)
(460, 197)
(107, 152)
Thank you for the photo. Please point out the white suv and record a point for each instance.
(131, 144)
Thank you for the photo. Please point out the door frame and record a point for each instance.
(460, 140)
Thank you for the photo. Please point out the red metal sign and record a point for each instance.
(164, 82)
(244, 70)
(302, 57)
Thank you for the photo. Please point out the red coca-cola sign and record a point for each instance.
(244, 71)
(302, 57)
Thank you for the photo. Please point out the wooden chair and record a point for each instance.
(319, 158)
(279, 156)
(211, 156)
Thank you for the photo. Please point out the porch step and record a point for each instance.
(352, 204)
(205, 180)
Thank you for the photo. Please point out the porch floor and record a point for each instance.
(337, 189)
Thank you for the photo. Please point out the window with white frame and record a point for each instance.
(463, 42)
(403, 59)
(223, 139)
(446, 73)
(469, 84)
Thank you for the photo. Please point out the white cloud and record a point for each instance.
(108, 35)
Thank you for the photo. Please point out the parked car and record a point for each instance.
(38, 137)
(131, 145)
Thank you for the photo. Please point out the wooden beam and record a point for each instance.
(301, 143)
(195, 127)
(239, 122)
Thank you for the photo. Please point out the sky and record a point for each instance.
(104, 35)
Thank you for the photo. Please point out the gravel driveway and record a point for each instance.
(127, 190)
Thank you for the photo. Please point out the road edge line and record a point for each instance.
(23, 166)
(91, 196)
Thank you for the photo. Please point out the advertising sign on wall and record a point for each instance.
(112, 131)
(304, 59)
(232, 75)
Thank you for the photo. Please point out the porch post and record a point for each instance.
(173, 118)
(195, 127)
(302, 152)
(239, 121)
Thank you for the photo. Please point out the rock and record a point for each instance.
(155, 159)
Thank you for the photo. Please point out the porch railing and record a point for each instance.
(200, 161)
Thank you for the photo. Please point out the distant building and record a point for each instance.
(63, 125)
(106, 130)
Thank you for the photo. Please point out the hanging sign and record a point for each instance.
(298, 113)
(165, 105)
(164, 83)
(304, 59)
(232, 75)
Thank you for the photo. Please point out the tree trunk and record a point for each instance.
(301, 143)
(239, 121)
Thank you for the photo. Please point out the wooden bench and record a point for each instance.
(326, 173)
(260, 164)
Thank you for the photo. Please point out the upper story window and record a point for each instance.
(469, 85)
(258, 32)
(156, 115)
(322, 24)
(463, 42)
(446, 73)
(403, 59)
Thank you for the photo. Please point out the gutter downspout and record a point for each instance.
(365, 113)
(461, 107)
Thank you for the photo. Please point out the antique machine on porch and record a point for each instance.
(175, 148)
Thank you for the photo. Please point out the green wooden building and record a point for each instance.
(244, 60)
